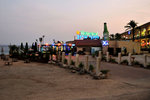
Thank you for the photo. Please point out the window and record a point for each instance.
(143, 32)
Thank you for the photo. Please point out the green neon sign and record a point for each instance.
(88, 33)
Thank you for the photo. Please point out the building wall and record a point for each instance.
(87, 49)
(132, 47)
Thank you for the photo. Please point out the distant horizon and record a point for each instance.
(58, 40)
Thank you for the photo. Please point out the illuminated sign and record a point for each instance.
(105, 43)
(143, 32)
(149, 28)
(85, 35)
(129, 32)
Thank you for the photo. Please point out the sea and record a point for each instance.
(5, 48)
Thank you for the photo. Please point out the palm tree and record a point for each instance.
(117, 36)
(112, 36)
(131, 25)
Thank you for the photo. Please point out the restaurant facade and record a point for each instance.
(142, 36)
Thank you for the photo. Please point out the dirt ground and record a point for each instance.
(37, 81)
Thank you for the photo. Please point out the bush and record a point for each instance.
(124, 62)
(81, 65)
(103, 58)
(93, 55)
(148, 66)
(136, 63)
(65, 61)
(104, 71)
(91, 68)
(72, 62)
(113, 60)
(96, 53)
(81, 52)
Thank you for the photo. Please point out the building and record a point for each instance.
(141, 44)
(86, 42)
(88, 46)
(142, 35)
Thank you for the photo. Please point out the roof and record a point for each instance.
(90, 43)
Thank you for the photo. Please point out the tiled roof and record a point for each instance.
(91, 43)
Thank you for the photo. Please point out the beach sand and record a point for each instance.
(37, 81)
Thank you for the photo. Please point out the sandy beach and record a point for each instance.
(38, 81)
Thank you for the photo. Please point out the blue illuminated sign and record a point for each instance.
(85, 37)
(73, 44)
(105, 43)
(129, 32)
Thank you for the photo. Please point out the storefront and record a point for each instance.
(142, 35)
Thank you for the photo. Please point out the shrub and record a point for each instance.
(81, 52)
(81, 65)
(65, 61)
(93, 55)
(136, 63)
(113, 60)
(96, 53)
(124, 62)
(72, 62)
(148, 66)
(105, 71)
(103, 58)
(91, 68)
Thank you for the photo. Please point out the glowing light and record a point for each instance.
(59, 44)
(105, 43)
(78, 32)
(88, 33)
(143, 32)
(149, 28)
(85, 35)
(53, 44)
(70, 45)
(129, 32)
(46, 44)
(73, 44)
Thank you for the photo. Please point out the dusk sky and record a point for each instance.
(27, 20)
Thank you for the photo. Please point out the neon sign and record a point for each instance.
(129, 32)
(85, 35)
(105, 43)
